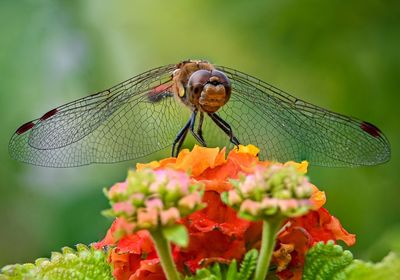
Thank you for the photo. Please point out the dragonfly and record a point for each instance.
(158, 108)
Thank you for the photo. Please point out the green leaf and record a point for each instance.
(326, 261)
(224, 198)
(82, 263)
(108, 213)
(203, 274)
(232, 273)
(330, 261)
(177, 234)
(220, 271)
(248, 265)
(216, 270)
(388, 268)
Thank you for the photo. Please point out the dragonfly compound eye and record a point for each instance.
(221, 77)
(199, 78)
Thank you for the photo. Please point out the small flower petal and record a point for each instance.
(124, 207)
(169, 216)
(147, 218)
(249, 149)
(300, 167)
(154, 203)
(118, 189)
(251, 207)
(190, 201)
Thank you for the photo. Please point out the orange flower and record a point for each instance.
(195, 162)
(210, 163)
(216, 234)
(318, 198)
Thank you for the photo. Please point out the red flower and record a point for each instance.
(216, 234)
(149, 270)
(302, 233)
(129, 253)
(215, 224)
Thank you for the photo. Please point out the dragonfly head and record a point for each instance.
(210, 89)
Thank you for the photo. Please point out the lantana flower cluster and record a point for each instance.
(270, 191)
(150, 198)
(216, 232)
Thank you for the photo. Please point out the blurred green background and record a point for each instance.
(342, 55)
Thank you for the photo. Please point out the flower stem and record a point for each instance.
(164, 253)
(270, 229)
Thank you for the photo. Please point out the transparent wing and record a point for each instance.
(286, 128)
(130, 120)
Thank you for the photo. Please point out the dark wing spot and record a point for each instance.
(159, 92)
(48, 114)
(370, 129)
(25, 127)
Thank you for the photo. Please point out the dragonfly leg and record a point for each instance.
(180, 137)
(200, 127)
(180, 143)
(198, 137)
(225, 127)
